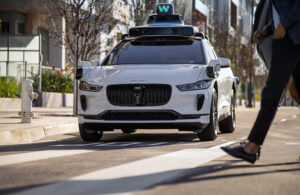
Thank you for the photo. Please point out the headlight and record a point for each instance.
(204, 84)
(84, 86)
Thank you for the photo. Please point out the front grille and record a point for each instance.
(150, 95)
(136, 115)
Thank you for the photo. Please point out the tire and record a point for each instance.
(228, 124)
(128, 131)
(211, 131)
(89, 136)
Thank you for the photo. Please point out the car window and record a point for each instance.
(157, 51)
(212, 49)
(210, 52)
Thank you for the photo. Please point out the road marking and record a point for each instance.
(123, 144)
(283, 120)
(40, 155)
(74, 145)
(294, 116)
(105, 144)
(134, 176)
(293, 144)
(159, 143)
(129, 144)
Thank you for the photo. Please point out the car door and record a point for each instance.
(227, 76)
(220, 80)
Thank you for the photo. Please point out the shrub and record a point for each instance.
(9, 88)
(56, 81)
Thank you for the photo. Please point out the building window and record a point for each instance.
(5, 27)
(21, 28)
(233, 18)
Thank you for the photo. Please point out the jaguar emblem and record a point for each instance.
(138, 92)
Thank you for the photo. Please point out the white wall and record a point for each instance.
(57, 54)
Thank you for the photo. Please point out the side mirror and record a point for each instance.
(79, 73)
(237, 80)
(225, 63)
(216, 64)
(213, 68)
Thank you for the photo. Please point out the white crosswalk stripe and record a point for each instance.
(122, 144)
(159, 143)
(47, 154)
(40, 155)
(134, 176)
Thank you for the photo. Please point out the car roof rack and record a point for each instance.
(162, 31)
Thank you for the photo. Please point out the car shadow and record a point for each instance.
(136, 140)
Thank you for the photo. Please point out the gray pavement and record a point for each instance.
(47, 121)
(156, 162)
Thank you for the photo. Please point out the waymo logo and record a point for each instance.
(163, 8)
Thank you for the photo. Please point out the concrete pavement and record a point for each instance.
(47, 121)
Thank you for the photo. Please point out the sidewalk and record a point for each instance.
(48, 121)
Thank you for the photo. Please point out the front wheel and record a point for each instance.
(89, 135)
(211, 131)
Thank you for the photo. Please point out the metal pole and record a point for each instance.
(40, 63)
(75, 98)
(7, 62)
(25, 70)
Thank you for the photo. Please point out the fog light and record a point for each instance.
(200, 100)
(83, 102)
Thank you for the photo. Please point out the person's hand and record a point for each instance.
(257, 35)
(280, 32)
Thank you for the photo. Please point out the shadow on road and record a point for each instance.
(146, 139)
(198, 174)
(149, 181)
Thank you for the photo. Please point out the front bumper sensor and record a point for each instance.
(140, 115)
(188, 126)
(200, 101)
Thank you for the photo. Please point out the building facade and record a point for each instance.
(24, 38)
(205, 14)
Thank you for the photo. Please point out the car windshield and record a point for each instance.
(157, 51)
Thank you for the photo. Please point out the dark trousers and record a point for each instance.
(285, 62)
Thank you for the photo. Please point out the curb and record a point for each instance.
(23, 136)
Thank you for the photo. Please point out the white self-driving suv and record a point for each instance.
(158, 78)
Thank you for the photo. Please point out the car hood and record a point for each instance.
(124, 74)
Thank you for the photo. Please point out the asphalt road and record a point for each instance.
(156, 162)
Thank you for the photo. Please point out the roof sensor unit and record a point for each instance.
(161, 31)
